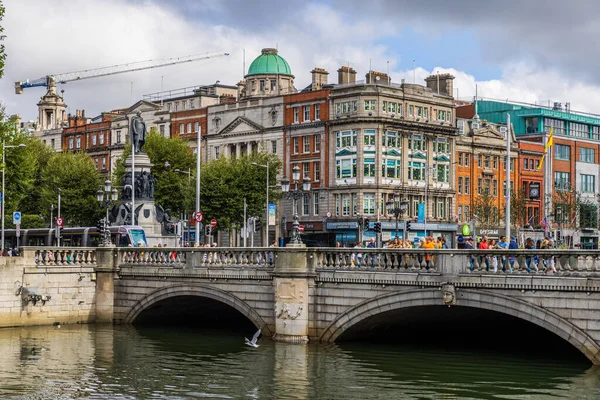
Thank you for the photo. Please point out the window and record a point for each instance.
(346, 139)
(274, 146)
(345, 204)
(526, 163)
(531, 125)
(467, 185)
(170, 107)
(586, 155)
(369, 169)
(370, 105)
(315, 202)
(441, 145)
(416, 142)
(78, 142)
(537, 164)
(273, 84)
(460, 216)
(189, 127)
(467, 160)
(369, 137)
(354, 203)
(346, 107)
(306, 113)
(93, 140)
(96, 162)
(441, 208)
(588, 183)
(596, 132)
(337, 204)
(183, 105)
(296, 115)
(416, 170)
(579, 130)
(192, 106)
(305, 204)
(70, 142)
(306, 143)
(317, 139)
(486, 162)
(101, 138)
(346, 168)
(486, 186)
(562, 181)
(460, 184)
(479, 186)
(52, 142)
(531, 164)
(467, 213)
(460, 159)
(562, 152)
(217, 151)
(161, 129)
(479, 160)
(443, 172)
(411, 110)
(296, 146)
(495, 162)
(317, 112)
(557, 124)
(306, 170)
(317, 170)
(391, 167)
(176, 106)
(196, 126)
(392, 139)
(181, 129)
(262, 85)
(369, 204)
(495, 187)
(103, 163)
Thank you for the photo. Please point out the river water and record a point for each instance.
(126, 362)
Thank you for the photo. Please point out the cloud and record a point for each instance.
(59, 36)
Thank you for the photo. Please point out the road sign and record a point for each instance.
(59, 221)
(18, 230)
(213, 222)
(301, 228)
(328, 214)
(17, 217)
(198, 216)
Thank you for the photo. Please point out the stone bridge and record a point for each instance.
(301, 294)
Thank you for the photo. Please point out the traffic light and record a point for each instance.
(377, 227)
(172, 228)
(60, 232)
(99, 225)
(256, 224)
(366, 224)
(208, 230)
(408, 225)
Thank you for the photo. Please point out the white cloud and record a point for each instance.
(62, 36)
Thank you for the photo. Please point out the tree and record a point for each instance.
(78, 179)
(518, 208)
(2, 37)
(488, 214)
(31, 204)
(174, 191)
(225, 182)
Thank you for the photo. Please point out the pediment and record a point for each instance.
(443, 157)
(392, 153)
(345, 152)
(241, 125)
(142, 106)
(418, 155)
(488, 132)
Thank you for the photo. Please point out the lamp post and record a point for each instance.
(188, 173)
(267, 206)
(397, 207)
(4, 147)
(295, 195)
(106, 197)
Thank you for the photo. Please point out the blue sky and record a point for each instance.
(531, 51)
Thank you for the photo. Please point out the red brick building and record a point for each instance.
(531, 182)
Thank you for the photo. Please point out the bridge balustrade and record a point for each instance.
(62, 256)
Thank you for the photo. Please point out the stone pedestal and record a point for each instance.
(292, 279)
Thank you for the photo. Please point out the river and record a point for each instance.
(126, 362)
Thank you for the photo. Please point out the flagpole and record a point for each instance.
(507, 191)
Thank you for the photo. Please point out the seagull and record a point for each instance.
(252, 342)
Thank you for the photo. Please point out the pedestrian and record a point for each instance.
(469, 246)
(484, 245)
(428, 245)
(372, 245)
(503, 245)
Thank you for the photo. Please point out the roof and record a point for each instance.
(269, 62)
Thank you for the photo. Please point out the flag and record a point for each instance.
(548, 144)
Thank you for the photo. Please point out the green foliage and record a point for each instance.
(488, 214)
(518, 208)
(2, 37)
(78, 179)
(41, 156)
(32, 221)
(225, 182)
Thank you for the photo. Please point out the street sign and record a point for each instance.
(213, 222)
(17, 217)
(301, 228)
(198, 216)
(59, 221)
(18, 230)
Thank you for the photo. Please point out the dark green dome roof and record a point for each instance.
(269, 62)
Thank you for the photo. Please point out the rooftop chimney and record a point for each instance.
(346, 75)
(319, 78)
(378, 78)
(441, 84)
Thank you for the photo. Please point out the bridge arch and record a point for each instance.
(200, 291)
(465, 298)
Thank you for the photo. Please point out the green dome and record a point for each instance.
(269, 62)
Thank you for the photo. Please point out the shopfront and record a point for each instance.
(346, 232)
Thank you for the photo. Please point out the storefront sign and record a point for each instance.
(489, 232)
(433, 227)
(466, 230)
(342, 225)
(388, 225)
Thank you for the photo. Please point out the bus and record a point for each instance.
(121, 236)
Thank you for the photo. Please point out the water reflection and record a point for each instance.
(105, 362)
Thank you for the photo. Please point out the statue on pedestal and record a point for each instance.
(137, 131)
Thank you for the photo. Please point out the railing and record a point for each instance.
(153, 256)
(400, 260)
(62, 256)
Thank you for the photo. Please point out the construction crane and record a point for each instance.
(50, 80)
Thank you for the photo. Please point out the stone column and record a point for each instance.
(293, 277)
(106, 270)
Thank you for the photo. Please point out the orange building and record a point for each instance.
(531, 183)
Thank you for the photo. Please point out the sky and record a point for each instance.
(534, 51)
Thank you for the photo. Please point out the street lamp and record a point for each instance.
(3, 199)
(267, 207)
(188, 173)
(106, 197)
(295, 195)
(397, 207)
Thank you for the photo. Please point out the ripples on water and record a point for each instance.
(102, 362)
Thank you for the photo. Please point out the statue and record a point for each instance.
(127, 187)
(137, 132)
(448, 294)
(151, 183)
(145, 185)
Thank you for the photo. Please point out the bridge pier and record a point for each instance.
(293, 277)
(105, 283)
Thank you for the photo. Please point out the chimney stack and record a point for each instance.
(319, 78)
(378, 78)
(346, 75)
(446, 85)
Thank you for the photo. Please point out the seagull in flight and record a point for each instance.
(252, 342)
